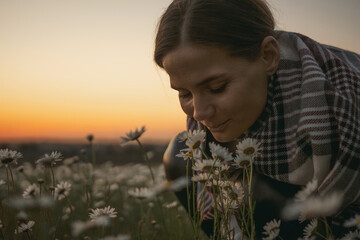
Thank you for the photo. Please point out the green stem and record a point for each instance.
(188, 193)
(70, 205)
(12, 178)
(53, 176)
(8, 182)
(93, 157)
(146, 159)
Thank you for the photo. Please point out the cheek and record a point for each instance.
(187, 107)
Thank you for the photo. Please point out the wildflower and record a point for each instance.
(2, 182)
(201, 177)
(8, 156)
(309, 230)
(272, 229)
(205, 165)
(307, 191)
(106, 211)
(1, 224)
(20, 169)
(78, 227)
(71, 160)
(171, 205)
(30, 191)
(225, 202)
(183, 136)
(313, 207)
(90, 137)
(355, 221)
(195, 138)
(221, 168)
(220, 152)
(351, 235)
(25, 227)
(219, 183)
(31, 203)
(49, 160)
(40, 181)
(186, 155)
(237, 191)
(62, 190)
(140, 193)
(174, 185)
(241, 161)
(248, 147)
(131, 136)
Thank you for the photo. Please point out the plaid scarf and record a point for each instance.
(310, 127)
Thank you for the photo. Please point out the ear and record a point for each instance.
(270, 54)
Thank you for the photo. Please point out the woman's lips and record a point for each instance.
(218, 128)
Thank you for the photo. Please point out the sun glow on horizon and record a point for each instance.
(72, 68)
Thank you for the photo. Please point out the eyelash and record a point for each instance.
(217, 90)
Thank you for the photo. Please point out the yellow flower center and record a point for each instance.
(249, 151)
(196, 145)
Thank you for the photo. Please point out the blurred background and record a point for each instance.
(73, 68)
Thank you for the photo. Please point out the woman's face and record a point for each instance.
(226, 94)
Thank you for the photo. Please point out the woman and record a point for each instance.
(300, 99)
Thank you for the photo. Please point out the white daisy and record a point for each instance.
(221, 168)
(49, 160)
(272, 229)
(62, 190)
(313, 207)
(237, 191)
(195, 138)
(133, 135)
(31, 191)
(220, 183)
(248, 147)
(140, 193)
(25, 227)
(309, 230)
(171, 205)
(8, 156)
(241, 161)
(355, 221)
(205, 165)
(185, 154)
(202, 177)
(106, 211)
(219, 152)
(183, 136)
(353, 235)
(226, 202)
(307, 191)
(272, 235)
(2, 182)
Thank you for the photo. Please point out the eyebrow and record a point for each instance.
(203, 82)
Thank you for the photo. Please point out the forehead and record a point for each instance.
(186, 57)
(192, 64)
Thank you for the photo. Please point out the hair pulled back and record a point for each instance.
(237, 26)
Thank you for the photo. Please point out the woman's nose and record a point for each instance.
(202, 109)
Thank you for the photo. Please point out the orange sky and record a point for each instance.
(70, 68)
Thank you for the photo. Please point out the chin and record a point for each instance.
(223, 138)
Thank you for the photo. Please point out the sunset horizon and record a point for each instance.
(70, 69)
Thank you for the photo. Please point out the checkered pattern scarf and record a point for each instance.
(310, 127)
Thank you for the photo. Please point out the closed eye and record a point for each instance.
(218, 89)
(184, 95)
